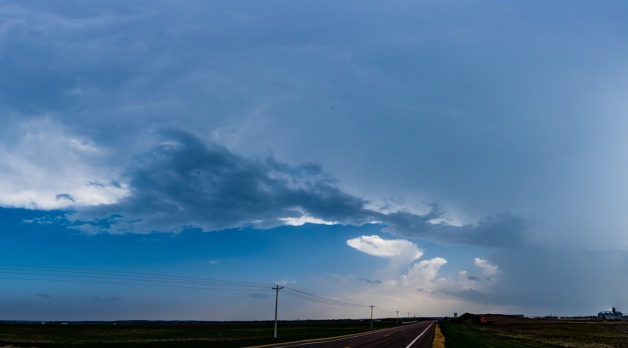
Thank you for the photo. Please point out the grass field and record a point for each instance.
(228, 334)
(504, 331)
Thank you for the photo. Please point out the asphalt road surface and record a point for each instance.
(419, 335)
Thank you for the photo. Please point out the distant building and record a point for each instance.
(610, 315)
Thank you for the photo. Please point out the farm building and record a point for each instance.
(610, 315)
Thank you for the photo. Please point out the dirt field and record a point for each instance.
(508, 331)
(228, 334)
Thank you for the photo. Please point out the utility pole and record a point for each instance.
(408, 315)
(371, 316)
(397, 318)
(276, 288)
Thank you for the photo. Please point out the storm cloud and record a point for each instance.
(184, 182)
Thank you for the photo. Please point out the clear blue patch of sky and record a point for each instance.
(243, 254)
(266, 255)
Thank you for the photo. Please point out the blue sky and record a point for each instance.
(429, 157)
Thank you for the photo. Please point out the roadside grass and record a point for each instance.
(159, 335)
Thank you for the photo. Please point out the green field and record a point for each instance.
(169, 334)
(504, 331)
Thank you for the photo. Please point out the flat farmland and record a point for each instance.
(505, 331)
(169, 334)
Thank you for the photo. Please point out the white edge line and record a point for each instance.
(424, 331)
(340, 339)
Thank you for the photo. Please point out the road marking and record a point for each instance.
(424, 331)
(323, 340)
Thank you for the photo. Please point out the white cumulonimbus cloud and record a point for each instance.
(423, 275)
(399, 249)
(468, 281)
(488, 270)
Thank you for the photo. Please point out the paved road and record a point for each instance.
(419, 335)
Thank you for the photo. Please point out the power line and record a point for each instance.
(384, 310)
(133, 284)
(319, 299)
(138, 279)
(120, 277)
(108, 272)
(99, 276)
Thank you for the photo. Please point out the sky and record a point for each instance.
(178, 160)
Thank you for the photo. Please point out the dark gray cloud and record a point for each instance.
(370, 281)
(187, 183)
(503, 229)
(64, 196)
